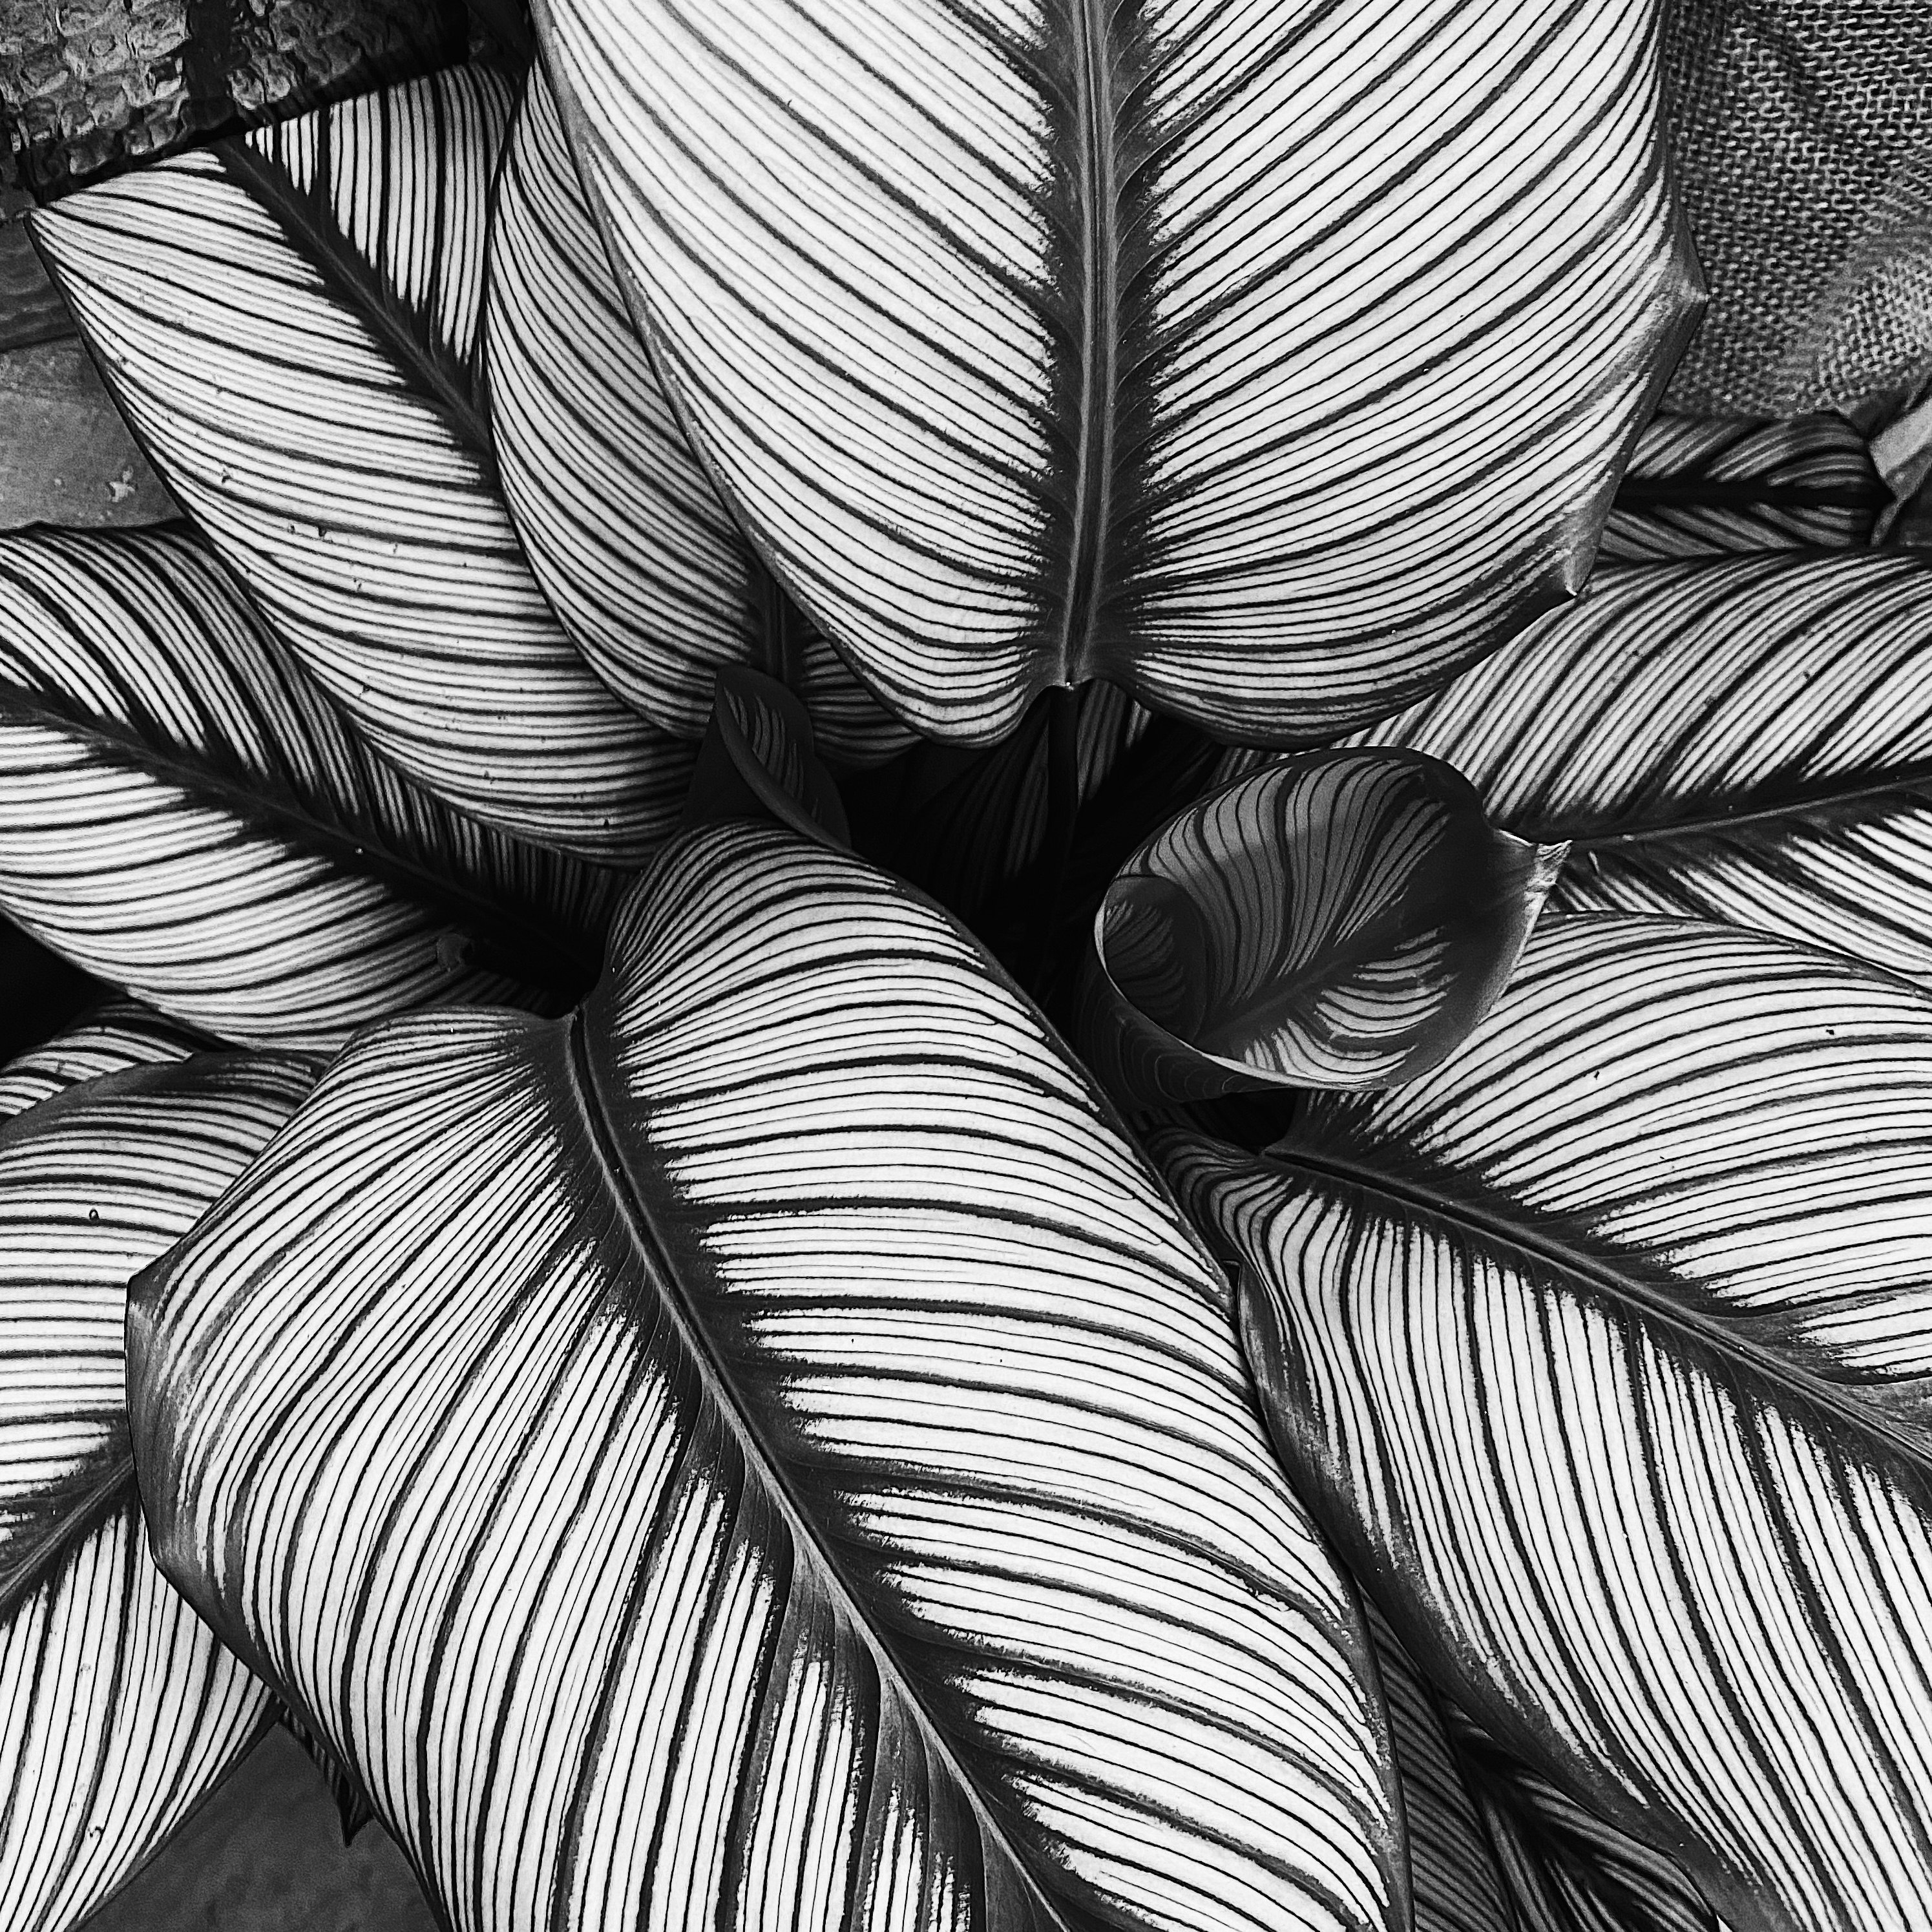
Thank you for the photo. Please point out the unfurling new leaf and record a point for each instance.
(1336, 919)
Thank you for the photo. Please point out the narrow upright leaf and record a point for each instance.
(965, 825)
(1603, 1351)
(1456, 1882)
(289, 322)
(1272, 361)
(765, 1454)
(640, 558)
(118, 1711)
(1495, 1847)
(1748, 739)
(250, 867)
(1339, 919)
(758, 760)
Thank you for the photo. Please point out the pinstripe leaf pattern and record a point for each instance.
(1452, 1870)
(1037, 345)
(1495, 1847)
(764, 1454)
(639, 558)
(1701, 487)
(251, 867)
(1747, 739)
(1602, 1351)
(118, 1711)
(289, 323)
(117, 1035)
(1340, 918)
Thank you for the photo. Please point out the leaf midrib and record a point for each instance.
(350, 279)
(1544, 1245)
(525, 948)
(1801, 801)
(585, 1090)
(112, 1487)
(1100, 342)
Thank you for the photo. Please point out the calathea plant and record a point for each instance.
(740, 587)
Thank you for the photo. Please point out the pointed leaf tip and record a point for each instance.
(1333, 920)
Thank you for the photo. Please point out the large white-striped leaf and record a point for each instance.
(1603, 1352)
(764, 1454)
(1340, 918)
(637, 554)
(1271, 360)
(290, 323)
(1748, 739)
(182, 813)
(118, 1710)
(1701, 486)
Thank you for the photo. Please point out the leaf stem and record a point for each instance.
(780, 623)
(1063, 814)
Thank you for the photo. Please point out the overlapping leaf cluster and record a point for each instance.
(737, 586)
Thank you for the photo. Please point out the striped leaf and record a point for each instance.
(1454, 1874)
(118, 1711)
(117, 1035)
(1273, 361)
(1700, 486)
(183, 814)
(1495, 1847)
(1340, 918)
(290, 323)
(765, 1453)
(1603, 1353)
(1748, 740)
(625, 533)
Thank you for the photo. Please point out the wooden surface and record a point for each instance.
(265, 1855)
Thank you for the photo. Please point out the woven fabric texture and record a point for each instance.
(1802, 138)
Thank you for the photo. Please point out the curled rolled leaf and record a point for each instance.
(759, 758)
(1335, 920)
